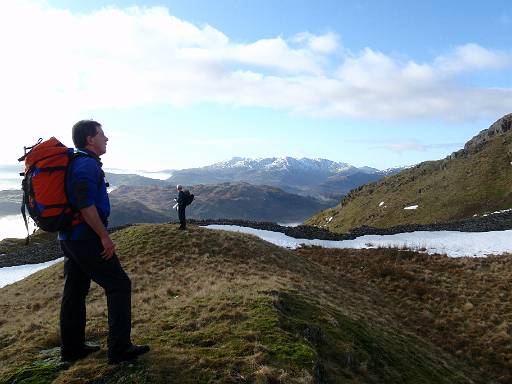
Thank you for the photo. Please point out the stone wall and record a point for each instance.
(39, 253)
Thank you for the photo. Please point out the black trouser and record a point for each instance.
(82, 263)
(181, 215)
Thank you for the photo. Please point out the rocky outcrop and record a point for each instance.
(478, 142)
(500, 127)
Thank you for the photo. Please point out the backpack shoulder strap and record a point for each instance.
(80, 153)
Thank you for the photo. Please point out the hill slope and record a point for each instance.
(228, 200)
(473, 181)
(221, 307)
(116, 179)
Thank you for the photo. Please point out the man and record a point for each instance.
(89, 254)
(182, 204)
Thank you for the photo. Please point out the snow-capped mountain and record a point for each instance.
(321, 178)
(287, 164)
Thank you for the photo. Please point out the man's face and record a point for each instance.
(98, 143)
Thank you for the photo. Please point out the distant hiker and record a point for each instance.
(89, 254)
(182, 204)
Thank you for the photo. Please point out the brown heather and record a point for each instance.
(220, 307)
(460, 304)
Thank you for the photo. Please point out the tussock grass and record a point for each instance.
(460, 304)
(221, 307)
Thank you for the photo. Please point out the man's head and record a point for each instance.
(179, 187)
(88, 134)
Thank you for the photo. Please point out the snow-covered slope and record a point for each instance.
(451, 243)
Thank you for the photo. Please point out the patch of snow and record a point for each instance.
(381, 204)
(494, 213)
(329, 219)
(289, 224)
(283, 164)
(9, 275)
(451, 243)
(412, 207)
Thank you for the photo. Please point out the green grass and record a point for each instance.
(36, 372)
(477, 182)
(219, 307)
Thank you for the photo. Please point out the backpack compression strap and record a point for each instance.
(23, 213)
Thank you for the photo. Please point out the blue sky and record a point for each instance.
(179, 84)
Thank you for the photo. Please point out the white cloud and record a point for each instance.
(57, 65)
(471, 57)
(327, 43)
(274, 53)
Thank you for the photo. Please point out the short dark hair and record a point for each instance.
(82, 130)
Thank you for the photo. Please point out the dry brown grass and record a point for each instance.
(208, 302)
(171, 272)
(461, 304)
(476, 182)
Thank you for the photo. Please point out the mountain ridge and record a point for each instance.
(282, 163)
(320, 178)
(472, 181)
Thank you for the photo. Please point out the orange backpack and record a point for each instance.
(44, 185)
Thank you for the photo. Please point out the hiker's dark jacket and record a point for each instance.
(181, 199)
(86, 186)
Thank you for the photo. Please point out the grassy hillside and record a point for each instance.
(221, 307)
(116, 179)
(228, 200)
(461, 304)
(472, 181)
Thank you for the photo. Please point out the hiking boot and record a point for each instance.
(71, 356)
(128, 354)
